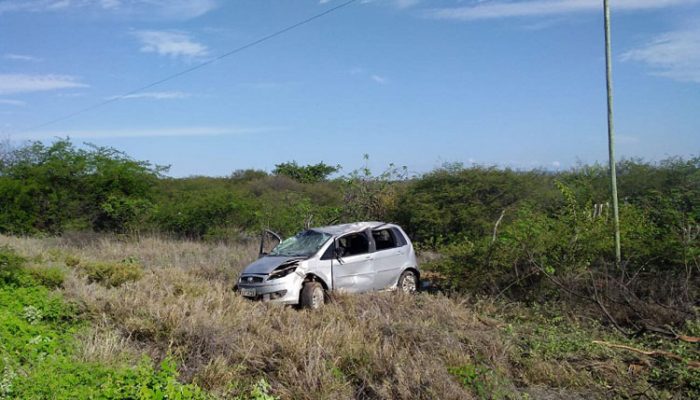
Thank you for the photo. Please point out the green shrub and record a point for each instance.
(49, 276)
(145, 382)
(72, 261)
(49, 188)
(477, 378)
(111, 274)
(37, 356)
(195, 214)
(12, 268)
(305, 174)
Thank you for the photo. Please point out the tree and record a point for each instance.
(51, 188)
(306, 174)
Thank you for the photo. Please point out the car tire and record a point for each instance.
(408, 282)
(312, 296)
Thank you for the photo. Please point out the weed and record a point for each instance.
(32, 314)
(6, 380)
(72, 261)
(37, 351)
(49, 276)
(112, 274)
(474, 377)
(11, 272)
(259, 391)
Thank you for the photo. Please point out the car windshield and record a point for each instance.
(304, 244)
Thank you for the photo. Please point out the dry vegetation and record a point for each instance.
(382, 345)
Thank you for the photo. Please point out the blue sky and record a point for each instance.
(410, 82)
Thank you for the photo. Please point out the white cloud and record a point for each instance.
(364, 73)
(180, 9)
(537, 8)
(111, 4)
(556, 164)
(674, 55)
(142, 132)
(401, 4)
(379, 79)
(70, 95)
(169, 9)
(170, 43)
(19, 57)
(22, 83)
(11, 102)
(153, 95)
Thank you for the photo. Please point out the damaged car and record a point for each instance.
(357, 257)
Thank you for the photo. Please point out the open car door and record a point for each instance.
(268, 241)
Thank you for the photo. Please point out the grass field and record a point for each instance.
(156, 317)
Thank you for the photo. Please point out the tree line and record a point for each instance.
(495, 231)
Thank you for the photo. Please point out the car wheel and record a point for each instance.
(312, 295)
(408, 282)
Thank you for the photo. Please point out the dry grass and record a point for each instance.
(374, 346)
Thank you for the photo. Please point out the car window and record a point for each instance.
(353, 244)
(303, 244)
(329, 253)
(384, 239)
(399, 237)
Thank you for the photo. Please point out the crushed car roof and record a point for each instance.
(347, 228)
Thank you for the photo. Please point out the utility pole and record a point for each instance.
(611, 131)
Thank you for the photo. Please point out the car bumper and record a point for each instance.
(284, 290)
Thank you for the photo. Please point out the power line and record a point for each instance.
(191, 69)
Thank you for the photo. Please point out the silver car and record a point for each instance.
(357, 257)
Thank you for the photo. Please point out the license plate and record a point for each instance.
(248, 292)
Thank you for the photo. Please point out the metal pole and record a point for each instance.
(611, 131)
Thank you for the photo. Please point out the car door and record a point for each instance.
(353, 271)
(389, 257)
(268, 241)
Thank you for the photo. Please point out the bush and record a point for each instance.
(111, 274)
(49, 276)
(195, 214)
(145, 382)
(454, 202)
(11, 267)
(37, 358)
(49, 188)
(305, 174)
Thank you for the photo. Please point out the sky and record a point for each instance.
(416, 83)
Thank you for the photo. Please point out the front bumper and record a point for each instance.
(283, 290)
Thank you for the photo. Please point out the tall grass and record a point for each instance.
(373, 346)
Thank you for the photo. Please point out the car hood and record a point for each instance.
(267, 264)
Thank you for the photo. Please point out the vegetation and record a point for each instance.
(522, 260)
(38, 353)
(58, 187)
(305, 174)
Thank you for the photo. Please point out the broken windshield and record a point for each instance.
(303, 244)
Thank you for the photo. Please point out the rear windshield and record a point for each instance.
(303, 244)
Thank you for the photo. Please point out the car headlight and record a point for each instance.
(282, 271)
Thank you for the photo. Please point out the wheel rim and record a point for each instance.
(317, 298)
(408, 284)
